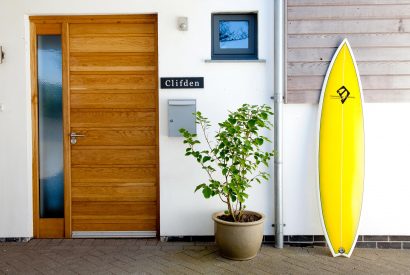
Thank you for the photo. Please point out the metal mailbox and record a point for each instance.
(181, 115)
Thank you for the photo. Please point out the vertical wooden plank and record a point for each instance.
(42, 227)
(157, 126)
(51, 228)
(66, 130)
(285, 99)
(34, 126)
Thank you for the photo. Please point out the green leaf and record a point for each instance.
(232, 120)
(251, 123)
(200, 186)
(207, 192)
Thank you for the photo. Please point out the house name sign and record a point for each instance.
(182, 82)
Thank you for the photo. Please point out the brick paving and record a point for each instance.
(147, 256)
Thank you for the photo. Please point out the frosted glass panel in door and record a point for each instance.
(50, 126)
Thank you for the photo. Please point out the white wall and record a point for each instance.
(15, 151)
(227, 85)
(180, 54)
(387, 184)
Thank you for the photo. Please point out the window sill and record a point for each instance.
(235, 61)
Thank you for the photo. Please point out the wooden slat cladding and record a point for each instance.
(368, 40)
(350, 26)
(378, 31)
(375, 96)
(111, 118)
(112, 81)
(97, 19)
(116, 136)
(114, 174)
(365, 68)
(361, 54)
(113, 155)
(292, 3)
(142, 213)
(349, 12)
(130, 44)
(112, 62)
(120, 28)
(114, 104)
(116, 184)
(113, 194)
(114, 100)
(144, 210)
(110, 225)
(371, 82)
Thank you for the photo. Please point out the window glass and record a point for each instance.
(50, 118)
(233, 34)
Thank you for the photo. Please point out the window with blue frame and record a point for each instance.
(234, 36)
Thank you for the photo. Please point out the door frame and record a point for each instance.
(60, 25)
(50, 228)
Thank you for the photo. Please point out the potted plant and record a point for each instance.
(232, 162)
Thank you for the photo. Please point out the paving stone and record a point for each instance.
(125, 256)
(152, 242)
(172, 248)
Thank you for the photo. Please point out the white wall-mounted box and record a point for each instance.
(181, 115)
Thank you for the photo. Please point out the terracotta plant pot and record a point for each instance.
(238, 241)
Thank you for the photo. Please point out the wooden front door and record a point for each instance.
(112, 126)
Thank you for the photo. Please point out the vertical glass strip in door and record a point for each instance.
(50, 120)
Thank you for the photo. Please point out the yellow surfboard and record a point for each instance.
(341, 152)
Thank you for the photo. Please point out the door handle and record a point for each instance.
(74, 137)
(74, 134)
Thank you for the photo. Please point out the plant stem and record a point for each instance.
(202, 165)
(222, 198)
(230, 208)
(240, 211)
(214, 157)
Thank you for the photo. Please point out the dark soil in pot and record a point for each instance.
(246, 217)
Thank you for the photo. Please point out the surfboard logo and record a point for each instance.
(343, 94)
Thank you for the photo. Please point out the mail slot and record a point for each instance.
(181, 115)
